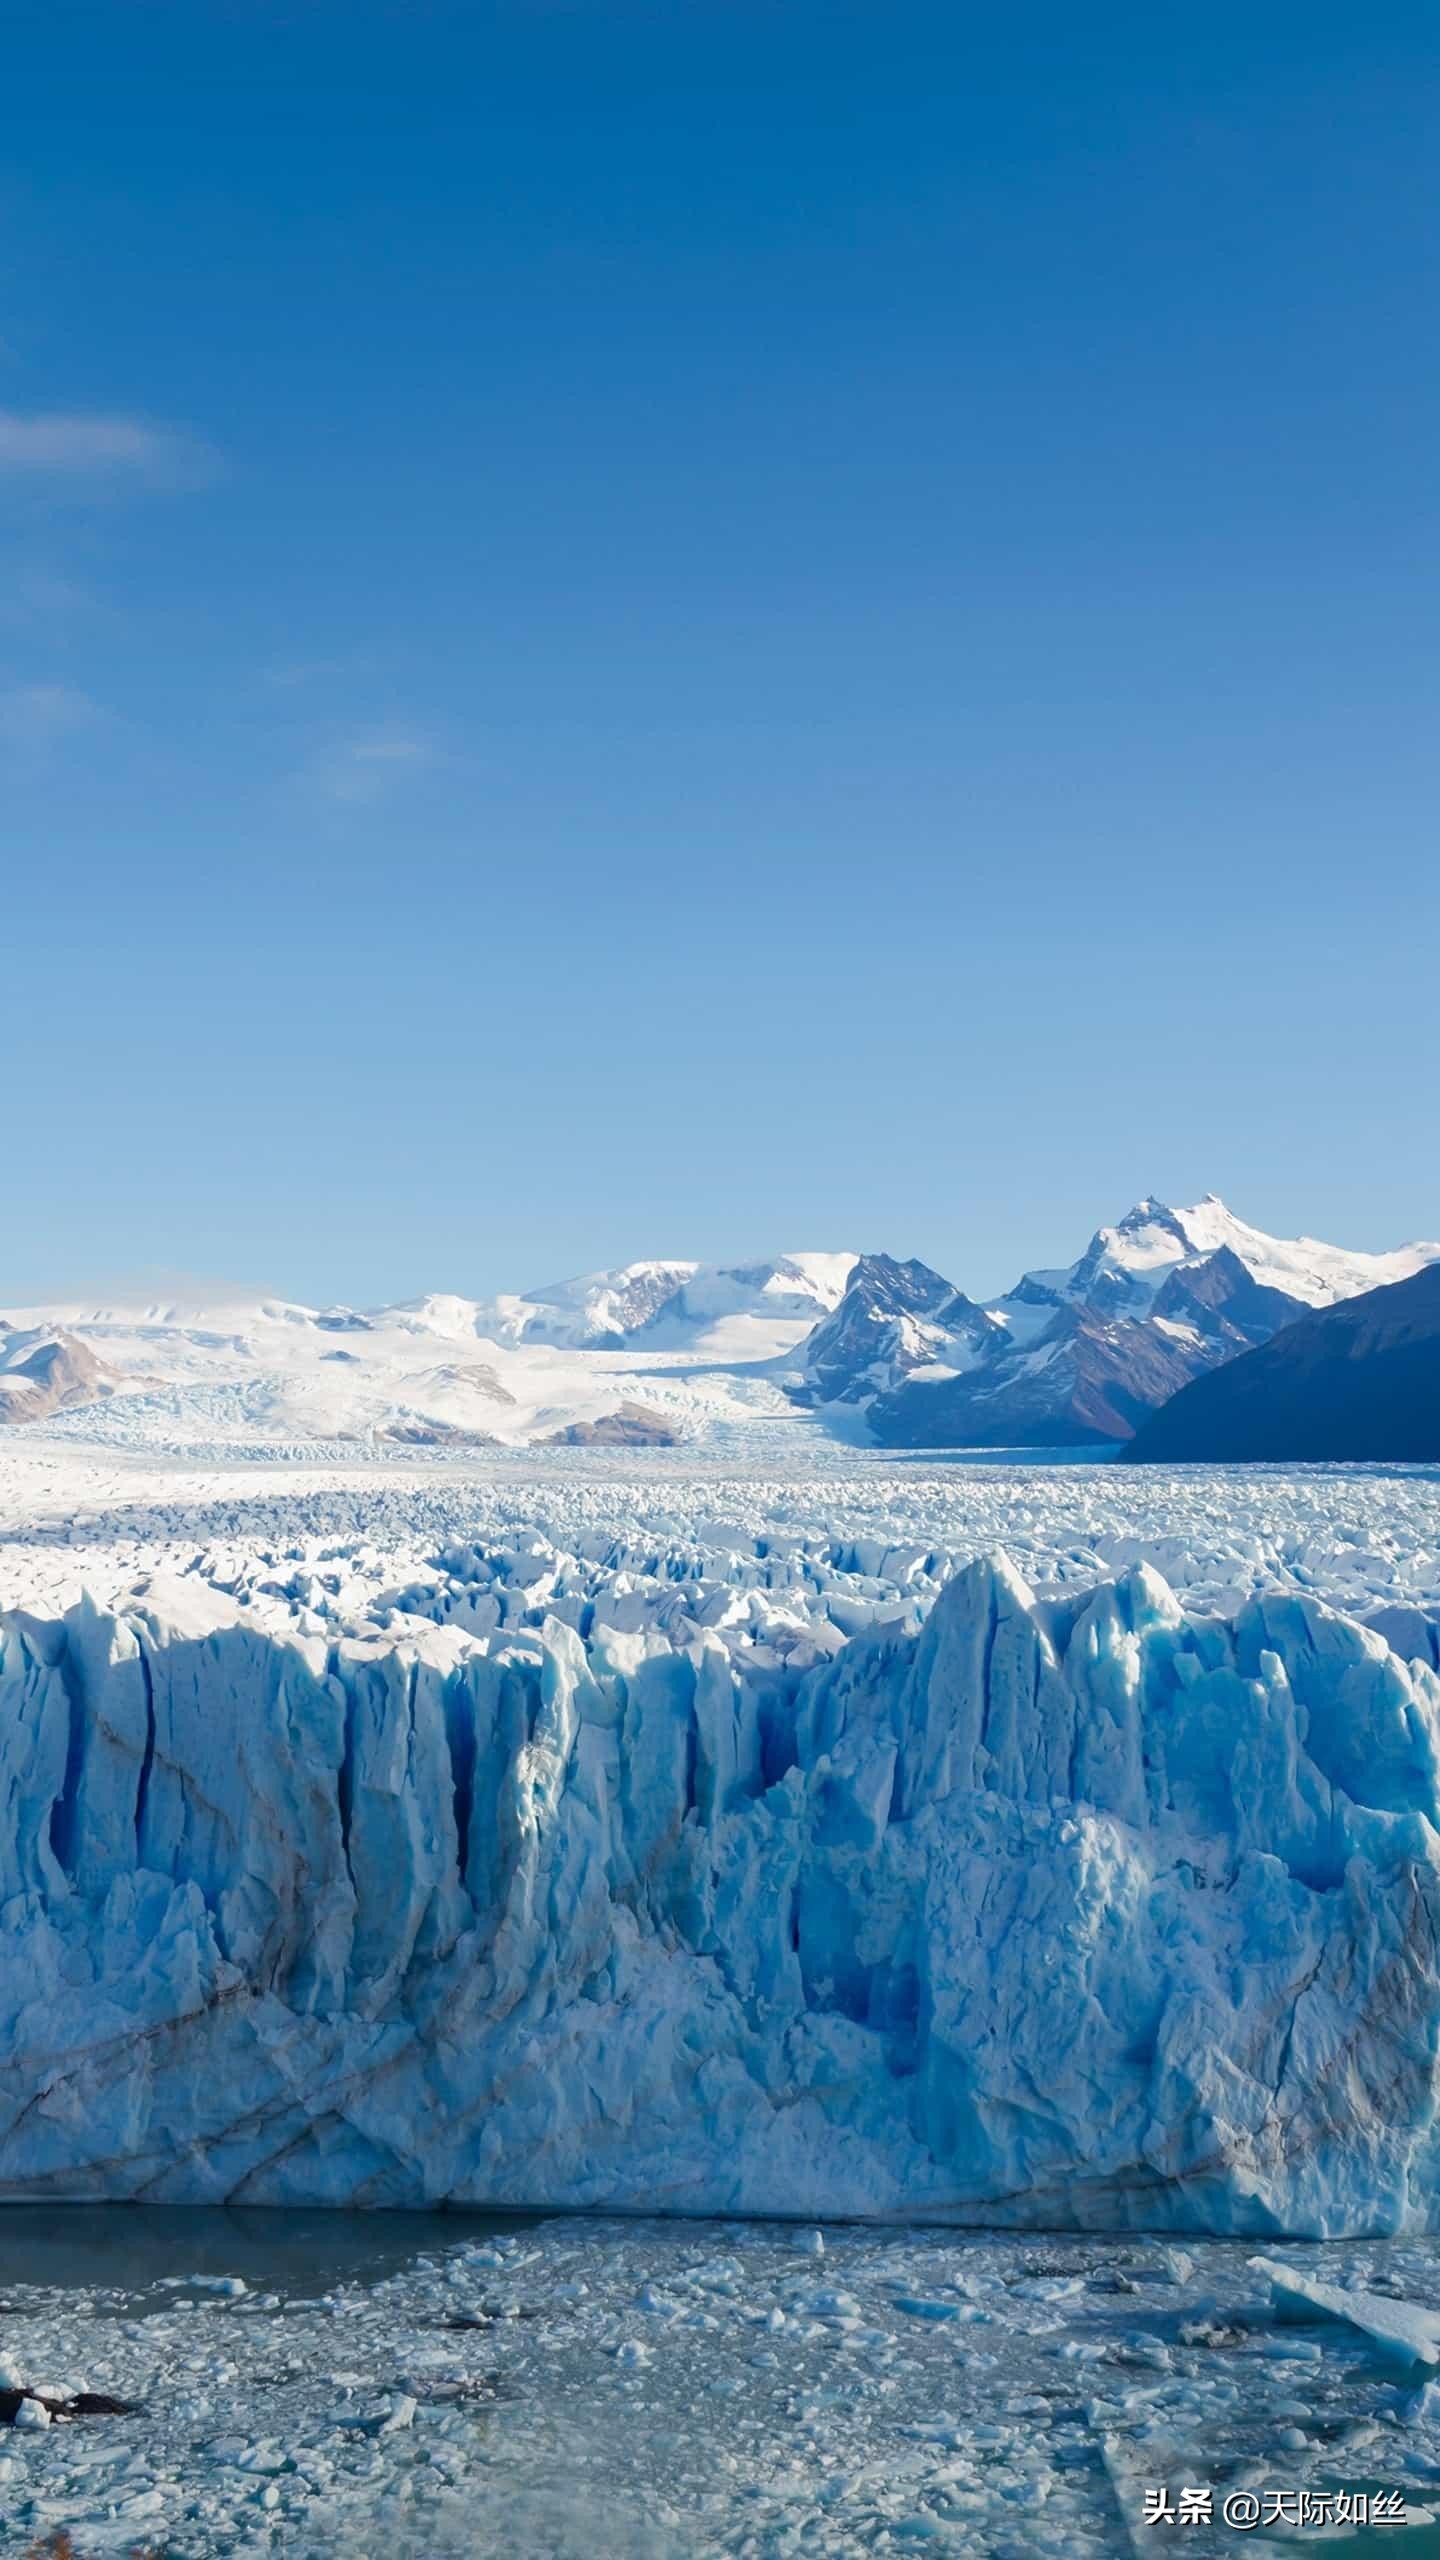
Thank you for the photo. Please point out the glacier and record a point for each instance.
(1080, 1909)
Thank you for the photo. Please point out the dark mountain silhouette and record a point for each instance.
(1359, 1380)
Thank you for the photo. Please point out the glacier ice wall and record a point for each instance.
(1079, 1912)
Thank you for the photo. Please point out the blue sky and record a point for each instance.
(688, 628)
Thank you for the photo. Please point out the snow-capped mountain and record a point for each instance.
(665, 1351)
(894, 1318)
(673, 1305)
(655, 1353)
(1124, 1268)
(1081, 1354)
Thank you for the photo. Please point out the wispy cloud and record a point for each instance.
(362, 769)
(46, 596)
(36, 718)
(99, 446)
(296, 672)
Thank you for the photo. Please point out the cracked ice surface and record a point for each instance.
(805, 1535)
(645, 2391)
(718, 1872)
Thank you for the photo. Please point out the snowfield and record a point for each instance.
(692, 1350)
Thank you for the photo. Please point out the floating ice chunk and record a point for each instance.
(265, 2456)
(1405, 2331)
(828, 2306)
(1171, 2266)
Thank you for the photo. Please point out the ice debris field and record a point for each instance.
(944, 1856)
(572, 2390)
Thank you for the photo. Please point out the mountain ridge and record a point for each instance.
(1358, 1380)
(1080, 1355)
(865, 1345)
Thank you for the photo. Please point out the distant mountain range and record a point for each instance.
(872, 1348)
(1360, 1381)
(1080, 1355)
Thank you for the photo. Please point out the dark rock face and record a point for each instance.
(1083, 1382)
(1219, 1295)
(1356, 1381)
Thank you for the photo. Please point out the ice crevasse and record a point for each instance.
(1084, 1912)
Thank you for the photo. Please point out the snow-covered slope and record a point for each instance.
(677, 1305)
(1081, 1354)
(1081, 1911)
(1317, 1273)
(684, 1347)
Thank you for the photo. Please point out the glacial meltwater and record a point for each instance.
(413, 2384)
